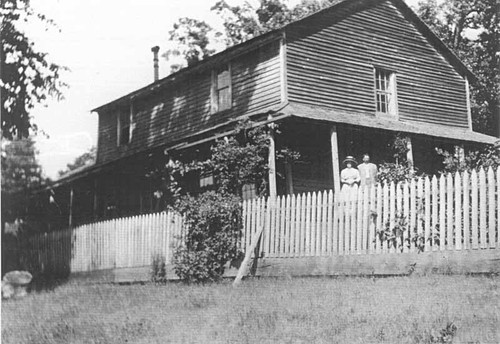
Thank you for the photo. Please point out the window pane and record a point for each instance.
(223, 79)
(224, 100)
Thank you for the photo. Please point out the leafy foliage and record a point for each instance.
(487, 157)
(472, 29)
(400, 170)
(27, 78)
(214, 223)
(86, 159)
(190, 40)
(20, 167)
(198, 40)
(158, 269)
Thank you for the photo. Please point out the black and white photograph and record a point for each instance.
(250, 171)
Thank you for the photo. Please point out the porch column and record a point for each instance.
(460, 153)
(335, 159)
(409, 153)
(95, 204)
(70, 219)
(272, 163)
(289, 178)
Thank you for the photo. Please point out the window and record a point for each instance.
(221, 89)
(385, 91)
(123, 128)
(206, 180)
(249, 191)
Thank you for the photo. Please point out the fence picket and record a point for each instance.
(386, 219)
(288, 220)
(329, 224)
(458, 211)
(449, 211)
(466, 210)
(379, 218)
(492, 224)
(399, 213)
(319, 225)
(359, 220)
(297, 226)
(420, 210)
(308, 225)
(434, 218)
(392, 210)
(302, 235)
(482, 208)
(324, 224)
(427, 214)
(498, 206)
(314, 209)
(371, 219)
(442, 213)
(474, 217)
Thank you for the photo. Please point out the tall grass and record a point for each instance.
(306, 310)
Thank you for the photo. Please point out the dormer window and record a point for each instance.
(123, 128)
(385, 92)
(221, 89)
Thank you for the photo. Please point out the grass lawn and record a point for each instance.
(302, 310)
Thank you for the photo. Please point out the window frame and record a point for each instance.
(390, 92)
(215, 106)
(120, 127)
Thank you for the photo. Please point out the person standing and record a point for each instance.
(367, 171)
(349, 176)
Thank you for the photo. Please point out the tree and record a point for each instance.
(86, 159)
(471, 28)
(197, 40)
(190, 39)
(27, 78)
(20, 168)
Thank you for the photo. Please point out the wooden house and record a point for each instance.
(339, 82)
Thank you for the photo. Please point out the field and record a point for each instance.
(429, 309)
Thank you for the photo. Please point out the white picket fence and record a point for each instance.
(118, 243)
(452, 212)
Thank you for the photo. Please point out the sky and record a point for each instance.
(107, 47)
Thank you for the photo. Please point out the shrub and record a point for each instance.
(214, 223)
(159, 269)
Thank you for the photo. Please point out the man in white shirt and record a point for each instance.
(368, 172)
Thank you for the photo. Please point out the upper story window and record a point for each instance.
(206, 180)
(123, 128)
(385, 92)
(221, 89)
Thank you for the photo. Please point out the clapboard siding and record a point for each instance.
(183, 109)
(330, 61)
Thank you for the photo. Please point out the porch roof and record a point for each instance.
(371, 121)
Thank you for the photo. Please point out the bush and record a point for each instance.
(214, 223)
(159, 269)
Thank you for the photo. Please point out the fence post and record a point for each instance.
(458, 212)
(449, 213)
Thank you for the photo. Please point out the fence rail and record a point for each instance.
(450, 212)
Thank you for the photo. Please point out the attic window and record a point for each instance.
(385, 91)
(123, 128)
(221, 89)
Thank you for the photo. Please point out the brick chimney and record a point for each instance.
(155, 50)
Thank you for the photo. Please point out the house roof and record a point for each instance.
(255, 42)
(371, 121)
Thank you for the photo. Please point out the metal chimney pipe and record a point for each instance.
(155, 50)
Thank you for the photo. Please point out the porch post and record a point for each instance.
(289, 178)
(335, 159)
(272, 163)
(460, 152)
(70, 219)
(409, 153)
(94, 210)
